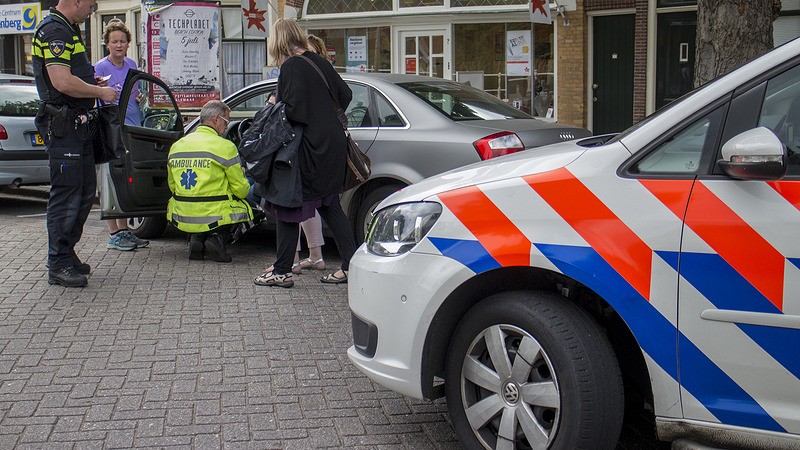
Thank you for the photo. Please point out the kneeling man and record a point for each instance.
(208, 185)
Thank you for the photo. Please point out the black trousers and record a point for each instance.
(72, 192)
(335, 218)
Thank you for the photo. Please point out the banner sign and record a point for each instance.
(540, 11)
(20, 18)
(356, 54)
(183, 51)
(255, 18)
(518, 52)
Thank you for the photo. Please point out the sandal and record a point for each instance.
(272, 279)
(333, 279)
(297, 268)
(308, 263)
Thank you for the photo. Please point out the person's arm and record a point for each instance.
(237, 183)
(67, 83)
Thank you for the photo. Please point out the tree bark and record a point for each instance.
(731, 33)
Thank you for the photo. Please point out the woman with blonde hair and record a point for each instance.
(309, 104)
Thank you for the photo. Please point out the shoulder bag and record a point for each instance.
(106, 134)
(358, 163)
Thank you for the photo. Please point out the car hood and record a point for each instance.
(533, 132)
(504, 167)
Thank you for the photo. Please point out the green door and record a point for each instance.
(612, 73)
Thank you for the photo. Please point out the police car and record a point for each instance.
(545, 292)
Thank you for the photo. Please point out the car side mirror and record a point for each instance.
(756, 154)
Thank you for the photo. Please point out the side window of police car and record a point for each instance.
(687, 152)
(780, 112)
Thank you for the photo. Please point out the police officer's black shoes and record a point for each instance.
(67, 276)
(196, 246)
(215, 244)
(81, 267)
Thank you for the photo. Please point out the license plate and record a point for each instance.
(36, 139)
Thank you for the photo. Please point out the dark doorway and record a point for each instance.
(675, 60)
(612, 72)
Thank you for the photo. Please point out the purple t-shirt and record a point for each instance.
(104, 67)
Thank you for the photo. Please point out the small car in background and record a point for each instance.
(411, 127)
(552, 294)
(23, 159)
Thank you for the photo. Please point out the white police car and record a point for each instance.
(546, 291)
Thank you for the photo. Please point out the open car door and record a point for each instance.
(138, 181)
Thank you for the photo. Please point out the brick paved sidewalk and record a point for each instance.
(159, 351)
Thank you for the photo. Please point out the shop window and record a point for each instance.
(483, 54)
(420, 3)
(243, 59)
(469, 3)
(347, 6)
(379, 47)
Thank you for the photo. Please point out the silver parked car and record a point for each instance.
(411, 127)
(23, 159)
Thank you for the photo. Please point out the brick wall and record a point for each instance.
(572, 67)
(640, 61)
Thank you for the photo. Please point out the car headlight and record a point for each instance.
(397, 229)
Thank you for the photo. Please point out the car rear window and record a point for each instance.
(18, 100)
(462, 102)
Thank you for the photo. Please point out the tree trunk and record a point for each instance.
(731, 33)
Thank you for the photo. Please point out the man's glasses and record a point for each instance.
(226, 120)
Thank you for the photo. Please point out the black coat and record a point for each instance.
(270, 150)
(323, 149)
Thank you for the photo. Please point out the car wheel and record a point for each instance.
(371, 200)
(147, 227)
(531, 370)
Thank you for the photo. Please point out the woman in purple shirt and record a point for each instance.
(117, 37)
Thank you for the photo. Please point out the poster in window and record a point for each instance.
(356, 53)
(183, 50)
(518, 52)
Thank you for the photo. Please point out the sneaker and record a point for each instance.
(120, 241)
(196, 246)
(140, 243)
(67, 276)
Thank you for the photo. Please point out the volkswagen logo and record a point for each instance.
(566, 136)
(511, 393)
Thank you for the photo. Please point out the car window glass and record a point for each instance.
(358, 109)
(158, 111)
(780, 112)
(18, 100)
(387, 115)
(461, 102)
(682, 153)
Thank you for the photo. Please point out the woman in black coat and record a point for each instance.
(322, 153)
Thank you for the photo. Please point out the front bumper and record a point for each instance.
(394, 300)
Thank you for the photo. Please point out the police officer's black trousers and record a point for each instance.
(72, 192)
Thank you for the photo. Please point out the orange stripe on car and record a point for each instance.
(498, 235)
(616, 243)
(737, 243)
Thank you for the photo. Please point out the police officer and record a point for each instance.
(67, 88)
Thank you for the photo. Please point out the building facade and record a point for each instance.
(600, 64)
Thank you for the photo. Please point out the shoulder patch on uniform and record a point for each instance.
(57, 47)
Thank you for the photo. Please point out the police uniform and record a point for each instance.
(208, 187)
(69, 146)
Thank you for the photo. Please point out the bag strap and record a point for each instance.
(341, 116)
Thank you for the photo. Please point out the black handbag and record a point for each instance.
(106, 133)
(358, 163)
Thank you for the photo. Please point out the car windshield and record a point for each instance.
(462, 102)
(18, 100)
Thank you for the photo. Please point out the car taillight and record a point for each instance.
(498, 144)
(3, 133)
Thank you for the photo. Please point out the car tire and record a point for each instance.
(371, 200)
(570, 397)
(147, 227)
